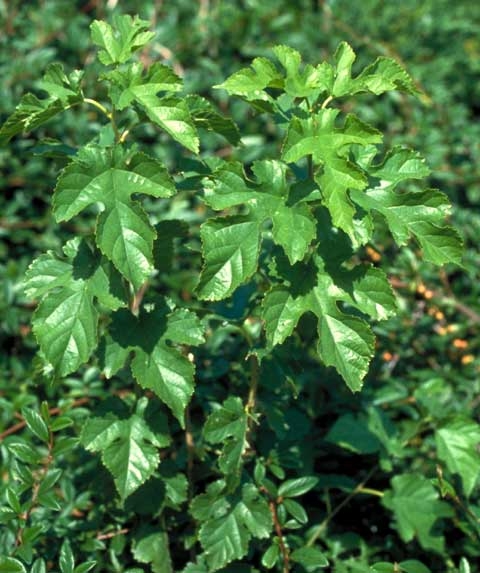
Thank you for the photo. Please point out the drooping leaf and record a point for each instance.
(420, 215)
(63, 91)
(109, 177)
(204, 115)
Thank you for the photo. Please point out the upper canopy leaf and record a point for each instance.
(120, 41)
(110, 177)
(231, 244)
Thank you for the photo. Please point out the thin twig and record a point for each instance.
(190, 445)
(112, 534)
(272, 505)
(360, 488)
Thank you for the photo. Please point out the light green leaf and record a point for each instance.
(152, 548)
(415, 504)
(172, 115)
(250, 83)
(385, 74)
(344, 341)
(328, 146)
(457, 445)
(109, 177)
(296, 510)
(65, 322)
(307, 82)
(168, 374)
(271, 555)
(120, 41)
(294, 226)
(231, 248)
(226, 537)
(128, 447)
(156, 364)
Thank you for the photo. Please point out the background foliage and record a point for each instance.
(398, 463)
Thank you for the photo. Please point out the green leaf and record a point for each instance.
(67, 562)
(109, 177)
(271, 555)
(231, 244)
(204, 115)
(457, 445)
(307, 82)
(328, 146)
(152, 548)
(172, 115)
(231, 249)
(250, 83)
(344, 341)
(65, 322)
(128, 447)
(156, 365)
(413, 566)
(11, 565)
(415, 504)
(298, 486)
(133, 82)
(229, 425)
(32, 112)
(36, 424)
(420, 215)
(120, 41)
(385, 74)
(225, 535)
(309, 557)
(296, 510)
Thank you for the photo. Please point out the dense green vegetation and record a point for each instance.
(268, 460)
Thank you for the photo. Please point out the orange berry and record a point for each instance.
(459, 343)
(468, 359)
